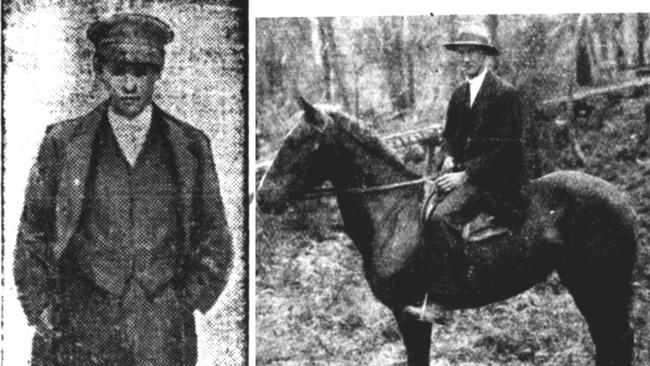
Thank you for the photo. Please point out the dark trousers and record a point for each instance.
(464, 203)
(459, 207)
(444, 229)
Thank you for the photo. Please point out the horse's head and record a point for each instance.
(298, 165)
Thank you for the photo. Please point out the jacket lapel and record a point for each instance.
(485, 93)
(464, 96)
(464, 110)
(185, 162)
(75, 165)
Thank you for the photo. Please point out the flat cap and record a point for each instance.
(473, 35)
(131, 37)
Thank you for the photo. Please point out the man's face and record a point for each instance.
(130, 85)
(472, 60)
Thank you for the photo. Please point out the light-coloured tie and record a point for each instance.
(131, 138)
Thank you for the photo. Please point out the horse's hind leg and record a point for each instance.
(604, 300)
(417, 338)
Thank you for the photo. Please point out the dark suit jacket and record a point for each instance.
(54, 199)
(486, 139)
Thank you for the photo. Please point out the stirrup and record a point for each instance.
(430, 313)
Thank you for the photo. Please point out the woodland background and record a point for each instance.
(585, 84)
(48, 77)
(393, 73)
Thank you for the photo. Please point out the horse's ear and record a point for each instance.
(303, 103)
(313, 115)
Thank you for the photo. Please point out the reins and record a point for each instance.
(323, 192)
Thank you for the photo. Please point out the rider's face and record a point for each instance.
(472, 60)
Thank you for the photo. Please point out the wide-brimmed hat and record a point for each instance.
(131, 37)
(473, 36)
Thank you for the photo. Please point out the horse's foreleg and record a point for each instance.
(417, 338)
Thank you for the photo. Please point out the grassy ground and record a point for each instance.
(314, 306)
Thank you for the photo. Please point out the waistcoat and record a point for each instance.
(130, 228)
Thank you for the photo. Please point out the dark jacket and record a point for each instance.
(486, 139)
(54, 199)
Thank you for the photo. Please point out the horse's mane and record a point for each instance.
(372, 142)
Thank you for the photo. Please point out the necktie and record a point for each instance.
(131, 139)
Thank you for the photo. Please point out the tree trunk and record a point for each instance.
(618, 40)
(641, 33)
(325, 58)
(357, 72)
(274, 70)
(645, 132)
(410, 66)
(492, 23)
(398, 63)
(600, 33)
(581, 39)
(271, 70)
(451, 75)
(583, 61)
(332, 63)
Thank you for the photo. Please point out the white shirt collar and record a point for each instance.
(140, 122)
(475, 85)
(130, 133)
(478, 79)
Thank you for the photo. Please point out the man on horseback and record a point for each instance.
(483, 168)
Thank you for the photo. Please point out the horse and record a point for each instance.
(576, 224)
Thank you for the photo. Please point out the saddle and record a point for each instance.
(481, 227)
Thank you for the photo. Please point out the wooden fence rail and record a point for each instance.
(396, 141)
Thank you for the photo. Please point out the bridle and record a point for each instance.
(325, 192)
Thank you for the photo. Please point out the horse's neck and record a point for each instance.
(377, 220)
(369, 217)
(356, 167)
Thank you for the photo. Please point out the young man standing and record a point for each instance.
(123, 233)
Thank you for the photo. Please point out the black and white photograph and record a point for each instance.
(452, 189)
(125, 227)
(288, 183)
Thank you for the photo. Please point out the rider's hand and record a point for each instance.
(448, 164)
(450, 181)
